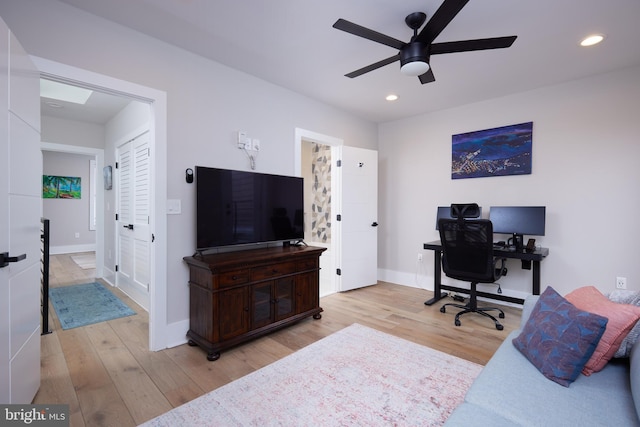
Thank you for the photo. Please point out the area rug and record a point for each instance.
(355, 377)
(85, 261)
(80, 305)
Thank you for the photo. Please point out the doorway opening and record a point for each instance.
(315, 161)
(155, 102)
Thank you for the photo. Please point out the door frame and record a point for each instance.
(336, 192)
(157, 99)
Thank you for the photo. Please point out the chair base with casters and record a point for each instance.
(472, 307)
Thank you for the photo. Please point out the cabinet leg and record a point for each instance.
(192, 343)
(213, 356)
(317, 316)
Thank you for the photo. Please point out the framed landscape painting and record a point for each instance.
(61, 187)
(492, 152)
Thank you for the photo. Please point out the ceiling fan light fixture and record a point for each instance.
(415, 68)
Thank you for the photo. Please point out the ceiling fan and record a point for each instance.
(414, 56)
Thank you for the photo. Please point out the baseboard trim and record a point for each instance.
(426, 283)
(177, 333)
(71, 249)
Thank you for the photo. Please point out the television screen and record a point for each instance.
(238, 207)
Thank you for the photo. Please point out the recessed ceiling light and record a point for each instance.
(591, 40)
(62, 92)
(391, 97)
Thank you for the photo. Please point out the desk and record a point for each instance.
(527, 258)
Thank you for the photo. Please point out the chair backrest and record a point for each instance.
(467, 247)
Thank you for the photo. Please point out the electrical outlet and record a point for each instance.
(621, 282)
(419, 257)
(255, 144)
(77, 235)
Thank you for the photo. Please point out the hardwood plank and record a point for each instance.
(100, 402)
(136, 389)
(174, 383)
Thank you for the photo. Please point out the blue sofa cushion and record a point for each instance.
(512, 388)
(558, 338)
(634, 374)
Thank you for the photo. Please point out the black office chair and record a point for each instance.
(467, 246)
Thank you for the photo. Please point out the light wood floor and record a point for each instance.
(109, 378)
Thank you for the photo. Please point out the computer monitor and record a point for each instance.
(445, 212)
(518, 221)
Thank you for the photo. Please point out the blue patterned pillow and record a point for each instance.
(558, 338)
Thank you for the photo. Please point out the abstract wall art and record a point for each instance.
(492, 152)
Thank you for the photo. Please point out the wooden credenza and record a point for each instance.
(238, 296)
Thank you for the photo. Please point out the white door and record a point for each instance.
(20, 210)
(358, 210)
(134, 204)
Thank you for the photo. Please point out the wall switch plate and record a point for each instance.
(242, 139)
(174, 207)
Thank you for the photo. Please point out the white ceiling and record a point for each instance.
(99, 108)
(291, 43)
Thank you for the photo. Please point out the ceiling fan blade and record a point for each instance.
(445, 13)
(360, 31)
(374, 66)
(470, 45)
(427, 77)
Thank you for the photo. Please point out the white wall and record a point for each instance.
(585, 170)
(72, 132)
(207, 104)
(69, 216)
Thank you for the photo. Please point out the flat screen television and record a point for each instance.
(243, 208)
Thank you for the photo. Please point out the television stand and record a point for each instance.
(238, 296)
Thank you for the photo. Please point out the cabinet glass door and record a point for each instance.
(261, 305)
(284, 297)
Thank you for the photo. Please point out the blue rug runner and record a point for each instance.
(81, 305)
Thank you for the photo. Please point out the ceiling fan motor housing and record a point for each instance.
(414, 51)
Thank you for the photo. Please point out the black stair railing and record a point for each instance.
(44, 269)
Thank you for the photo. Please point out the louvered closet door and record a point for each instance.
(134, 237)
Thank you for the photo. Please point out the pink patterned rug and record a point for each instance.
(355, 377)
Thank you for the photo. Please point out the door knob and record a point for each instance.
(129, 226)
(374, 224)
(5, 259)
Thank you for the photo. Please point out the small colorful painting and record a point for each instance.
(60, 187)
(492, 152)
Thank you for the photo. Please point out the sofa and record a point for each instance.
(511, 391)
